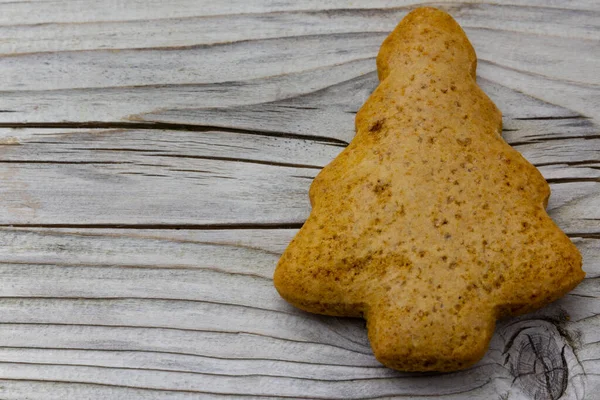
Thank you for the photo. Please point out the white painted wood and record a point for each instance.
(155, 159)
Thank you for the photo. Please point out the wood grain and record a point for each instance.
(155, 161)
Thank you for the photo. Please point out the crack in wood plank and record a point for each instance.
(120, 350)
(551, 118)
(166, 126)
(266, 225)
(163, 328)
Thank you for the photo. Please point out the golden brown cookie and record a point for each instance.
(428, 224)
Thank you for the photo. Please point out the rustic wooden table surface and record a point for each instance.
(155, 158)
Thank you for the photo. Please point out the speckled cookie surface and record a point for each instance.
(428, 224)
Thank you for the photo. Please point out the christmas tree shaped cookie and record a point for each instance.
(428, 224)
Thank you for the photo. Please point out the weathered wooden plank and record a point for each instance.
(99, 318)
(214, 192)
(39, 389)
(104, 85)
(103, 145)
(89, 31)
(88, 11)
(136, 177)
(330, 113)
(241, 61)
(115, 181)
(250, 385)
(125, 104)
(148, 360)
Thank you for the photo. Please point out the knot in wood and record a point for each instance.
(535, 356)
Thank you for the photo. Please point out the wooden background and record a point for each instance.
(155, 158)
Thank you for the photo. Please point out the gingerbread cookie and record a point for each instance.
(428, 224)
